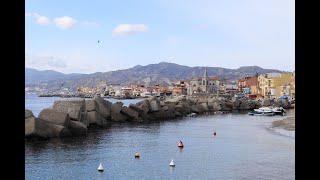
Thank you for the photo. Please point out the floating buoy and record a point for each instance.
(214, 133)
(180, 144)
(172, 163)
(100, 168)
(136, 155)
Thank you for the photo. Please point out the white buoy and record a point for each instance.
(172, 163)
(100, 168)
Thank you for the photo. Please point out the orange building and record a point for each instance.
(248, 85)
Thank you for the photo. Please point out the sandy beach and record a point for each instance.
(288, 123)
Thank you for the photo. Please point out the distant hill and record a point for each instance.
(162, 73)
(33, 76)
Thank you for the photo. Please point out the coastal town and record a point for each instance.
(157, 90)
(271, 85)
(202, 95)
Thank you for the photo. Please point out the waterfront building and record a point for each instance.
(248, 86)
(179, 88)
(292, 85)
(231, 89)
(272, 84)
(204, 85)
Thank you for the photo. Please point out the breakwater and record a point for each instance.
(73, 117)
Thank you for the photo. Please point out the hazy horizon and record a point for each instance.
(146, 65)
(63, 35)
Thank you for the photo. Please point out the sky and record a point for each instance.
(82, 36)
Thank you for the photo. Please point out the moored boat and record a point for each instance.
(268, 111)
(279, 111)
(263, 111)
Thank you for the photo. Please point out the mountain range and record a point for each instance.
(161, 73)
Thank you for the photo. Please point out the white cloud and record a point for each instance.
(41, 20)
(44, 62)
(73, 62)
(125, 29)
(65, 22)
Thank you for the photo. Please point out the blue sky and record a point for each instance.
(63, 35)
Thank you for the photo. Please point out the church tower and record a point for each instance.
(205, 80)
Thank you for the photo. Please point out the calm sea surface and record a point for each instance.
(245, 147)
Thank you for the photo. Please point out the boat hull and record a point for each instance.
(261, 114)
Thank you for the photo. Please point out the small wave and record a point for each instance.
(284, 132)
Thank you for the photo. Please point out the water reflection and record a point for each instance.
(172, 169)
(70, 142)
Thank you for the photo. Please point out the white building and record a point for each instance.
(273, 75)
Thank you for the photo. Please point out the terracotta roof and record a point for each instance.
(214, 78)
(210, 78)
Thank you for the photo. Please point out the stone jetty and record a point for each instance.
(73, 117)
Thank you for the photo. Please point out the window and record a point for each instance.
(203, 82)
(209, 83)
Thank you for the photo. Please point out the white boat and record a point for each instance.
(100, 168)
(268, 111)
(172, 163)
(263, 111)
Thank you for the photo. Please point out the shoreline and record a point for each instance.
(74, 117)
(288, 123)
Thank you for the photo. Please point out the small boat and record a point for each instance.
(268, 111)
(261, 114)
(136, 155)
(192, 115)
(172, 163)
(263, 111)
(180, 144)
(100, 168)
(279, 111)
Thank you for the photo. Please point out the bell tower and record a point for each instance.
(205, 81)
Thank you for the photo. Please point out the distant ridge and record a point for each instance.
(161, 73)
(33, 76)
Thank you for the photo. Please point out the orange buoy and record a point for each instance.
(180, 144)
